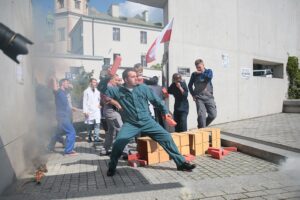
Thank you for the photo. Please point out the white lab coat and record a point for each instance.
(91, 105)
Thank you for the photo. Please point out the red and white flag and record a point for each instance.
(164, 36)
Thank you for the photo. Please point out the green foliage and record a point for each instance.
(80, 83)
(157, 66)
(294, 77)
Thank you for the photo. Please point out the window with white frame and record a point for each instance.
(143, 37)
(115, 55)
(61, 3)
(143, 61)
(116, 34)
(77, 4)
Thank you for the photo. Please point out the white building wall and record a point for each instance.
(17, 97)
(68, 22)
(244, 30)
(129, 45)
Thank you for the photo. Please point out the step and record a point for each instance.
(258, 148)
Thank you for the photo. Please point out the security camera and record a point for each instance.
(11, 43)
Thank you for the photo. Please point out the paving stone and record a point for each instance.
(254, 188)
(234, 196)
(292, 188)
(255, 194)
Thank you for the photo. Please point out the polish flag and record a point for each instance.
(164, 36)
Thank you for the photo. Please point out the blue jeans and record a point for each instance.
(96, 128)
(64, 126)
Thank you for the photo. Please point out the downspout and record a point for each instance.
(93, 35)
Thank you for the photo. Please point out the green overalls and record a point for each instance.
(137, 119)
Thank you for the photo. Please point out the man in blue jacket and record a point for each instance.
(133, 98)
(203, 94)
(64, 119)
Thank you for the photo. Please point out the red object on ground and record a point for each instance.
(165, 92)
(216, 154)
(189, 158)
(115, 66)
(135, 161)
(233, 149)
(225, 152)
(132, 163)
(142, 162)
(170, 121)
(135, 156)
(212, 149)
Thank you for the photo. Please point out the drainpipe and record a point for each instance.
(93, 35)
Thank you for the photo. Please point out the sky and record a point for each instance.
(127, 8)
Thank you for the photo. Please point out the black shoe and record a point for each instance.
(111, 172)
(125, 156)
(186, 167)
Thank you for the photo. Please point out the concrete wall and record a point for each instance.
(244, 30)
(17, 97)
(129, 45)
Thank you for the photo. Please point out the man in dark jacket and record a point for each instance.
(181, 107)
(203, 94)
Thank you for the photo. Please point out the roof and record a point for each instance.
(137, 20)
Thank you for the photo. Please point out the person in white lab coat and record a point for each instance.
(91, 110)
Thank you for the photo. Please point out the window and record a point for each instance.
(61, 3)
(115, 55)
(77, 4)
(116, 34)
(143, 61)
(267, 69)
(61, 34)
(143, 38)
(74, 72)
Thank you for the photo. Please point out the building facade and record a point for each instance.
(86, 33)
(17, 120)
(235, 38)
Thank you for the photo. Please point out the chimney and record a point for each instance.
(146, 16)
(114, 10)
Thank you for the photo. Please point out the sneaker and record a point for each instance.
(124, 156)
(111, 172)
(105, 153)
(98, 140)
(71, 153)
(186, 167)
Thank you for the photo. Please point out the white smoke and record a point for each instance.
(291, 167)
(130, 9)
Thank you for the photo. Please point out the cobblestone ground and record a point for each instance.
(237, 176)
(283, 128)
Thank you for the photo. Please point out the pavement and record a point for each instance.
(281, 130)
(236, 176)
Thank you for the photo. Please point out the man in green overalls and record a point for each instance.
(133, 98)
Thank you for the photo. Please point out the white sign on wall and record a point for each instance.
(246, 72)
(225, 60)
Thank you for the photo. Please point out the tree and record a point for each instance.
(80, 83)
(294, 77)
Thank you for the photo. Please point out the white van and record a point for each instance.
(263, 72)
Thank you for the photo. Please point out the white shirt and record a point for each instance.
(91, 105)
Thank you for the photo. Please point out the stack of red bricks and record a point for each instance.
(194, 142)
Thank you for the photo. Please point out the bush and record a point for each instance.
(294, 77)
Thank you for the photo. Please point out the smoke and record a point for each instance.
(131, 9)
(42, 65)
(291, 168)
